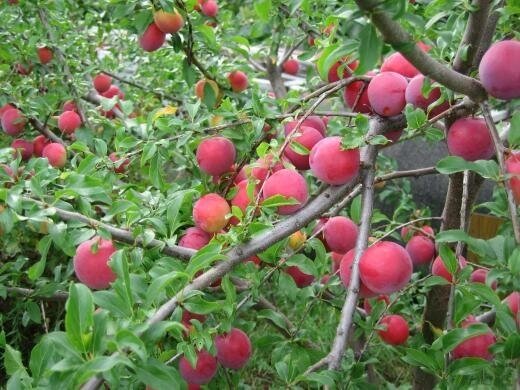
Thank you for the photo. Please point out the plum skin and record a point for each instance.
(233, 349)
(91, 263)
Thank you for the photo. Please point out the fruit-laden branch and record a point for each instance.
(499, 150)
(117, 234)
(333, 359)
(68, 74)
(42, 129)
(236, 255)
(159, 94)
(394, 34)
(473, 34)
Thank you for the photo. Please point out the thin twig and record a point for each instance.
(499, 149)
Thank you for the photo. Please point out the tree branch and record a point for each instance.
(400, 40)
(473, 34)
(159, 94)
(487, 35)
(117, 234)
(499, 149)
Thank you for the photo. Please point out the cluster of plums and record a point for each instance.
(14, 122)
(170, 23)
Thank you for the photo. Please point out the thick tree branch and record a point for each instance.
(117, 234)
(44, 130)
(274, 75)
(470, 43)
(400, 40)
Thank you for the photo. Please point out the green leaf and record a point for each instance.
(273, 316)
(355, 209)
(415, 117)
(279, 200)
(449, 259)
(12, 360)
(370, 47)
(467, 366)
(126, 339)
(158, 375)
(204, 258)
(36, 270)
(299, 148)
(454, 337)
(514, 130)
(325, 378)
(512, 346)
(488, 169)
(263, 9)
(78, 317)
(421, 359)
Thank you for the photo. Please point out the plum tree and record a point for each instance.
(331, 163)
(395, 330)
(168, 22)
(469, 138)
(385, 267)
(56, 154)
(233, 349)
(238, 81)
(340, 233)
(308, 138)
(210, 213)
(203, 371)
(216, 155)
(386, 93)
(499, 70)
(91, 263)
(183, 153)
(69, 122)
(289, 184)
